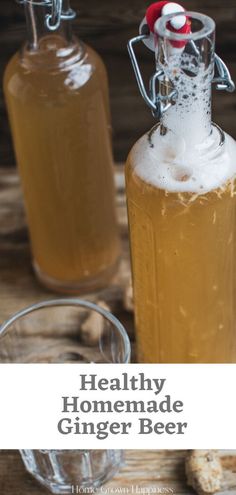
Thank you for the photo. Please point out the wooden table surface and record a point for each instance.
(19, 288)
(143, 469)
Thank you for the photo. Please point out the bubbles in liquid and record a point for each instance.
(189, 117)
(188, 156)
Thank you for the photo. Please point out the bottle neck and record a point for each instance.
(187, 64)
(189, 118)
(37, 27)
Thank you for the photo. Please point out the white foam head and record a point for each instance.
(163, 164)
(188, 157)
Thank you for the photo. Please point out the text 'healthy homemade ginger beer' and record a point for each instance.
(181, 196)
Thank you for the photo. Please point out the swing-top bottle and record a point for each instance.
(181, 195)
(57, 97)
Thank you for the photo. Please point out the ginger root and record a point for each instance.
(93, 327)
(204, 471)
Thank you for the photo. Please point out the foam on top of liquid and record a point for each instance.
(188, 158)
(190, 116)
(161, 162)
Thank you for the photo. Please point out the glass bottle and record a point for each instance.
(57, 98)
(181, 193)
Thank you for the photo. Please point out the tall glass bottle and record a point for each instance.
(181, 195)
(57, 98)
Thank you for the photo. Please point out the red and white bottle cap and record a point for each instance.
(179, 24)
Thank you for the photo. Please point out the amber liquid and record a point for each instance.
(59, 118)
(183, 249)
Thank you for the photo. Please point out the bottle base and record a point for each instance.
(91, 284)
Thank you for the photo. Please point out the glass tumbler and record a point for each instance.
(66, 331)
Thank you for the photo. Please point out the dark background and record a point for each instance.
(107, 25)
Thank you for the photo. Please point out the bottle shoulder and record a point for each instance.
(95, 57)
(44, 72)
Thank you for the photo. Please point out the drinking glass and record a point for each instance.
(65, 331)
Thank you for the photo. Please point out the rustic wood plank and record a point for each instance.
(107, 26)
(143, 469)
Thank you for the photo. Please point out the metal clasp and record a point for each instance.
(224, 81)
(157, 102)
(53, 20)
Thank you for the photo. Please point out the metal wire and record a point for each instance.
(57, 14)
(35, 2)
(137, 72)
(53, 20)
(159, 103)
(224, 81)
